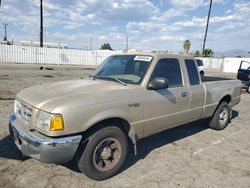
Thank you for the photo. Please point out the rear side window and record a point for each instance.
(169, 69)
(192, 72)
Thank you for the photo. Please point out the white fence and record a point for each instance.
(37, 55)
(233, 64)
(230, 65)
(213, 64)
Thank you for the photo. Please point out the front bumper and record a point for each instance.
(41, 147)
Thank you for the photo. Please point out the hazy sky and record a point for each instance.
(150, 25)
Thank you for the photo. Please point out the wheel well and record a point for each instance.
(117, 122)
(226, 98)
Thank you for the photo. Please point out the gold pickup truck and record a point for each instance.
(128, 97)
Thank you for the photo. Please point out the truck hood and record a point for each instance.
(87, 92)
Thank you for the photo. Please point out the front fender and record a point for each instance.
(104, 115)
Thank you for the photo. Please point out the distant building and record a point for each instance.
(45, 44)
(6, 42)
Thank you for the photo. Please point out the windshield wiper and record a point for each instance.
(109, 78)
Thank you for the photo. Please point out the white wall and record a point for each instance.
(213, 64)
(233, 64)
(37, 55)
(26, 54)
(230, 65)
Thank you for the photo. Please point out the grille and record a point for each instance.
(23, 111)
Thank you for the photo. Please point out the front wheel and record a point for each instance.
(221, 117)
(248, 89)
(104, 154)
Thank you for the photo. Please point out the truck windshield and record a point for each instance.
(129, 69)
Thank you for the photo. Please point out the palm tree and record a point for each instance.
(208, 52)
(186, 46)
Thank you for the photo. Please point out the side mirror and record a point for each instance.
(158, 83)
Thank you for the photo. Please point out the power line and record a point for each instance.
(208, 17)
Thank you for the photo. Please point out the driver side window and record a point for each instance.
(169, 69)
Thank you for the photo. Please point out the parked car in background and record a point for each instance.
(201, 66)
(129, 97)
(244, 74)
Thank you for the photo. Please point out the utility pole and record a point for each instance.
(41, 23)
(91, 44)
(126, 43)
(5, 31)
(208, 17)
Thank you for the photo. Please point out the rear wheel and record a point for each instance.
(221, 117)
(248, 89)
(104, 154)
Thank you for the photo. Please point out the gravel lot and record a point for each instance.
(188, 156)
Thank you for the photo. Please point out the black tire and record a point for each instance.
(87, 161)
(248, 89)
(221, 117)
(202, 73)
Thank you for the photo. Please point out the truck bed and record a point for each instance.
(212, 78)
(216, 89)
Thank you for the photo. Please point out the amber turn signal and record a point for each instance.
(56, 123)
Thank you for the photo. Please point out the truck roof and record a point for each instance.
(157, 54)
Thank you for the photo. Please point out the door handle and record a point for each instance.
(184, 94)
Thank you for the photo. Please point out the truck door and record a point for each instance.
(197, 90)
(244, 71)
(169, 107)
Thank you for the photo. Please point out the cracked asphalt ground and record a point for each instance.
(188, 156)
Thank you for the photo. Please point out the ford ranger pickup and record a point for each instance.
(128, 97)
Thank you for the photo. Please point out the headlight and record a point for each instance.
(49, 122)
(43, 120)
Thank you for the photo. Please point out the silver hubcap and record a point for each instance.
(107, 154)
(223, 116)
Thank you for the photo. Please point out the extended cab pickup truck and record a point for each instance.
(128, 97)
